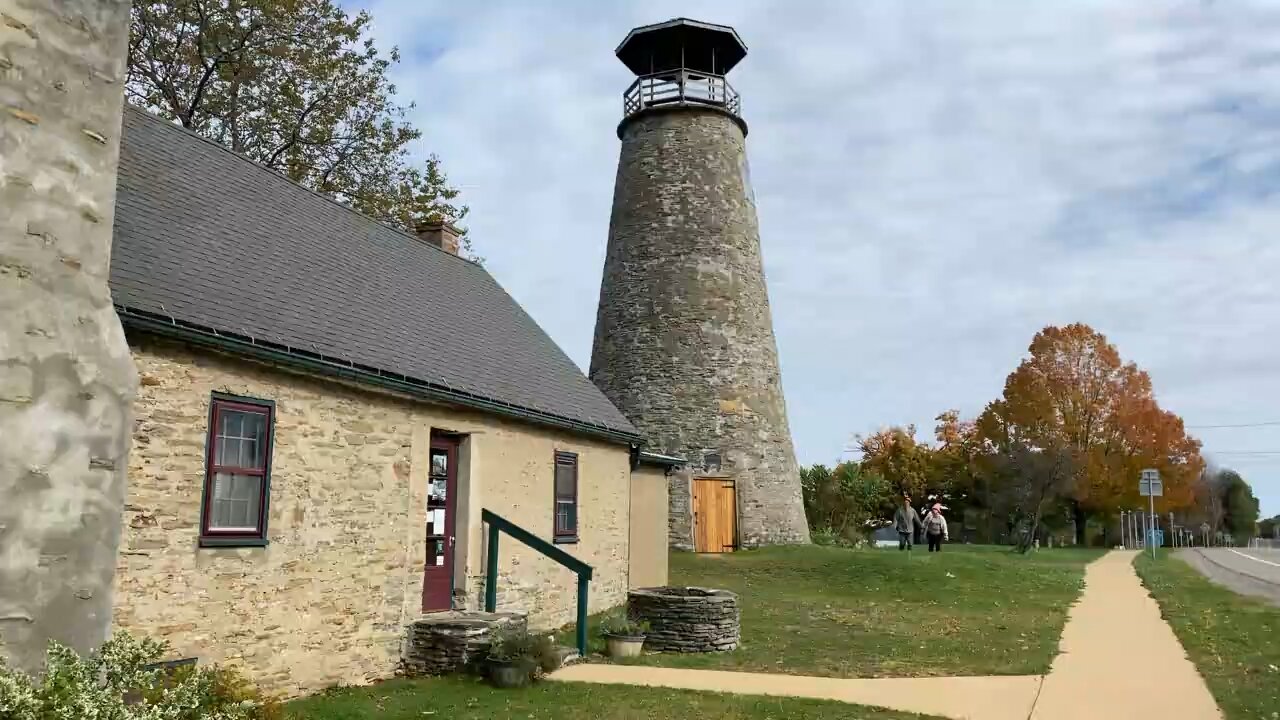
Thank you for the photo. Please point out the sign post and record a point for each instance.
(1150, 487)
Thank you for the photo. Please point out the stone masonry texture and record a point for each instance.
(331, 597)
(66, 380)
(688, 620)
(684, 342)
(450, 642)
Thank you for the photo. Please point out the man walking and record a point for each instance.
(935, 528)
(905, 520)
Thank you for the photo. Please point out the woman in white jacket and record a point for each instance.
(935, 528)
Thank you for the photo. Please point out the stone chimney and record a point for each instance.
(442, 234)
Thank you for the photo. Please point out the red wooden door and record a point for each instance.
(437, 581)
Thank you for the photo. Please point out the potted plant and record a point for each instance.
(624, 636)
(514, 655)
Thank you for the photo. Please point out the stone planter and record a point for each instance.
(510, 673)
(624, 646)
(449, 642)
(687, 619)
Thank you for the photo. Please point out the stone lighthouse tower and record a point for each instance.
(684, 341)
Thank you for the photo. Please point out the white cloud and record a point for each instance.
(936, 181)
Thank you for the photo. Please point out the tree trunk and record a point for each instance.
(67, 380)
(1080, 520)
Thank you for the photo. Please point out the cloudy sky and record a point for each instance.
(936, 181)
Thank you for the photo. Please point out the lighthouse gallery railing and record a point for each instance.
(680, 87)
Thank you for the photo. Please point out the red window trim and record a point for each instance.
(258, 536)
(568, 459)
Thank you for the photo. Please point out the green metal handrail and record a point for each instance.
(497, 524)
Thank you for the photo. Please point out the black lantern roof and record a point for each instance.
(682, 43)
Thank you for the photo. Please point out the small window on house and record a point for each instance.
(566, 503)
(237, 472)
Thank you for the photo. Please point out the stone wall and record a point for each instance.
(687, 619)
(329, 599)
(66, 383)
(684, 342)
(449, 642)
(680, 509)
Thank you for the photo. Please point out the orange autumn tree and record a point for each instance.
(1074, 392)
(958, 457)
(894, 454)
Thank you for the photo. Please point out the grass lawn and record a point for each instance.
(1233, 640)
(970, 610)
(470, 699)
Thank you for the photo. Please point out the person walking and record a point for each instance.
(905, 521)
(935, 528)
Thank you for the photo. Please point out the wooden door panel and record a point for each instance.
(715, 515)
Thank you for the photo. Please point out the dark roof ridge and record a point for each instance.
(152, 117)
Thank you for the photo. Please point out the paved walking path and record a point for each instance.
(985, 698)
(1118, 659)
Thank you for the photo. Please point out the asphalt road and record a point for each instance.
(1245, 570)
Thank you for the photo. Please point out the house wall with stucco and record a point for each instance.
(328, 599)
(648, 563)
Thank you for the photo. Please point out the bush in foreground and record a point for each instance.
(120, 682)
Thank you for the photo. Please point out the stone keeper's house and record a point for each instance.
(326, 406)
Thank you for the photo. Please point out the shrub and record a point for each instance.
(623, 625)
(514, 644)
(824, 536)
(117, 683)
(544, 650)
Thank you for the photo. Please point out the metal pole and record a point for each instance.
(1123, 544)
(1152, 498)
(1171, 527)
(582, 616)
(491, 571)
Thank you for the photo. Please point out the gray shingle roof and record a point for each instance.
(208, 238)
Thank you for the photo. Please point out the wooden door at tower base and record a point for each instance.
(715, 515)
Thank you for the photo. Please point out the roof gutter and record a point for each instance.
(310, 362)
(653, 458)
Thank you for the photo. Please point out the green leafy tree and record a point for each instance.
(297, 86)
(845, 502)
(1039, 479)
(1239, 506)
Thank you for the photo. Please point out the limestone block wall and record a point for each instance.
(680, 509)
(66, 383)
(684, 342)
(329, 598)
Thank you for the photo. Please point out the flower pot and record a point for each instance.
(624, 646)
(509, 673)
